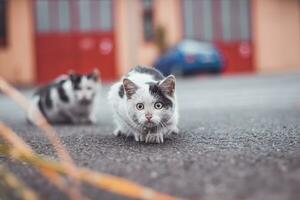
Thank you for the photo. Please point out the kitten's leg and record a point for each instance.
(70, 118)
(159, 136)
(170, 128)
(124, 129)
(88, 119)
(174, 130)
(155, 138)
(92, 119)
(139, 137)
(118, 132)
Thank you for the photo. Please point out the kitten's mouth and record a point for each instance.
(85, 102)
(149, 124)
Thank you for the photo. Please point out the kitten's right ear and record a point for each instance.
(71, 74)
(94, 75)
(129, 87)
(168, 85)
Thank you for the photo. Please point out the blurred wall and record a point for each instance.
(132, 49)
(276, 34)
(168, 15)
(16, 59)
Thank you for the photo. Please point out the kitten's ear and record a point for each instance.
(94, 75)
(129, 87)
(168, 85)
(72, 75)
(71, 72)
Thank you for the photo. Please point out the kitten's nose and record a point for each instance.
(148, 116)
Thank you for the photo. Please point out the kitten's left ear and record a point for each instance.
(94, 75)
(168, 85)
(72, 75)
(129, 87)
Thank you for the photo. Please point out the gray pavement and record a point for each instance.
(239, 139)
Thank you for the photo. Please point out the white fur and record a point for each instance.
(76, 112)
(123, 110)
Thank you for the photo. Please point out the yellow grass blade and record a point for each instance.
(17, 185)
(38, 118)
(61, 184)
(99, 180)
(22, 151)
(49, 132)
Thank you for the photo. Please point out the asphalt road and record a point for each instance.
(239, 139)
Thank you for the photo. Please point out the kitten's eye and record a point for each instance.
(158, 105)
(77, 87)
(140, 106)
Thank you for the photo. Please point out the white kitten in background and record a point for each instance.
(144, 105)
(68, 99)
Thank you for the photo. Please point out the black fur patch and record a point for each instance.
(76, 79)
(121, 91)
(147, 70)
(43, 89)
(165, 119)
(92, 76)
(66, 118)
(48, 101)
(135, 119)
(153, 130)
(41, 108)
(159, 95)
(62, 93)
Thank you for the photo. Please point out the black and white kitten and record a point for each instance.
(68, 99)
(144, 105)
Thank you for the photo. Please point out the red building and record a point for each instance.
(40, 39)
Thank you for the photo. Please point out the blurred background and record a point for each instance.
(40, 39)
(240, 134)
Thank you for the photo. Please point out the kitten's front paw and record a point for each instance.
(92, 120)
(155, 138)
(139, 137)
(117, 132)
(82, 121)
(88, 122)
(175, 131)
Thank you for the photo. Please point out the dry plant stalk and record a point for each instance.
(39, 120)
(74, 188)
(51, 168)
(17, 185)
(99, 180)
(23, 151)
(61, 183)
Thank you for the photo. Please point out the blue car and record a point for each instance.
(190, 57)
